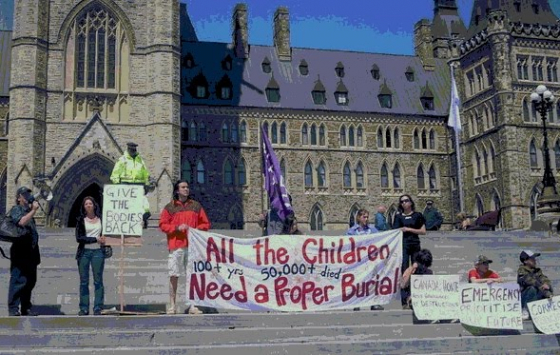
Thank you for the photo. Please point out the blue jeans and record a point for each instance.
(22, 282)
(531, 294)
(409, 251)
(95, 258)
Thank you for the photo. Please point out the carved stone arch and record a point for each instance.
(94, 169)
(532, 199)
(391, 212)
(478, 208)
(83, 5)
(317, 217)
(235, 217)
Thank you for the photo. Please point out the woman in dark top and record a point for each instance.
(412, 224)
(90, 252)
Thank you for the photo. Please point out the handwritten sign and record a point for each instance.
(494, 306)
(545, 314)
(435, 297)
(284, 273)
(122, 212)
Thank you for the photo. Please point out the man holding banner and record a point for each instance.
(178, 216)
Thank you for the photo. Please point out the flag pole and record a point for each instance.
(455, 123)
(262, 173)
(459, 170)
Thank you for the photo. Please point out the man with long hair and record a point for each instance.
(176, 218)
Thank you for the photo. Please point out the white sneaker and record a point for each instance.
(525, 314)
(172, 310)
(193, 310)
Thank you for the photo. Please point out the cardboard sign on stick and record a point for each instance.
(122, 214)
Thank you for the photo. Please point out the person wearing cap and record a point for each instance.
(433, 217)
(534, 285)
(24, 255)
(482, 273)
(130, 168)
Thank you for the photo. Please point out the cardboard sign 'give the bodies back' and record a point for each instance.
(122, 213)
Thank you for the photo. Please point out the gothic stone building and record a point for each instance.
(351, 130)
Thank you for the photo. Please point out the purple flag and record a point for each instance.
(273, 180)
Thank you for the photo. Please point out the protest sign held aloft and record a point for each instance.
(435, 297)
(493, 306)
(282, 273)
(122, 211)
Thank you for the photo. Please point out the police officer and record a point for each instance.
(130, 168)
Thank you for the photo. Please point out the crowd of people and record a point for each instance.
(183, 213)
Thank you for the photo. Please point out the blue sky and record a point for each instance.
(381, 27)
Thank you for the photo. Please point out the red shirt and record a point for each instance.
(176, 213)
(487, 275)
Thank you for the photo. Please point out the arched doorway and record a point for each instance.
(86, 177)
(93, 190)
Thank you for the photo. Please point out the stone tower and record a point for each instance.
(88, 77)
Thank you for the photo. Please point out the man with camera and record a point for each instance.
(24, 255)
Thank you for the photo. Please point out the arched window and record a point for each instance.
(283, 133)
(557, 154)
(379, 138)
(420, 178)
(388, 137)
(274, 133)
(485, 161)
(225, 133)
(308, 176)
(416, 140)
(432, 139)
(186, 171)
(234, 132)
(384, 176)
(243, 132)
(352, 215)
(479, 206)
(200, 172)
(322, 175)
(192, 131)
(241, 173)
(265, 128)
(228, 173)
(322, 135)
(396, 140)
(313, 134)
(360, 176)
(533, 113)
(343, 136)
(478, 169)
(493, 155)
(397, 176)
(424, 145)
(351, 136)
(533, 155)
(432, 178)
(347, 176)
(202, 136)
(283, 170)
(97, 56)
(184, 130)
(304, 135)
(526, 114)
(533, 203)
(316, 219)
(360, 140)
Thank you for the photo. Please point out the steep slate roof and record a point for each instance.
(525, 15)
(5, 62)
(249, 81)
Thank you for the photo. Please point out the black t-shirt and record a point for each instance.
(415, 220)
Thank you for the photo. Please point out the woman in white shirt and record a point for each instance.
(90, 252)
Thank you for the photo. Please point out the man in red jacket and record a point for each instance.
(175, 220)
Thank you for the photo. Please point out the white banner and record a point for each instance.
(545, 314)
(494, 306)
(293, 273)
(435, 297)
(122, 210)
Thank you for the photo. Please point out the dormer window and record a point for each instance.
(272, 91)
(341, 94)
(517, 5)
(227, 63)
(201, 92)
(409, 74)
(199, 87)
(319, 93)
(188, 61)
(339, 70)
(427, 98)
(386, 101)
(375, 72)
(224, 88)
(266, 65)
(303, 67)
(535, 8)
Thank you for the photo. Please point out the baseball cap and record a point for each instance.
(25, 192)
(482, 259)
(429, 202)
(132, 144)
(527, 254)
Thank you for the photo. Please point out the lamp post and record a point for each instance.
(549, 200)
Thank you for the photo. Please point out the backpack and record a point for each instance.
(9, 231)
